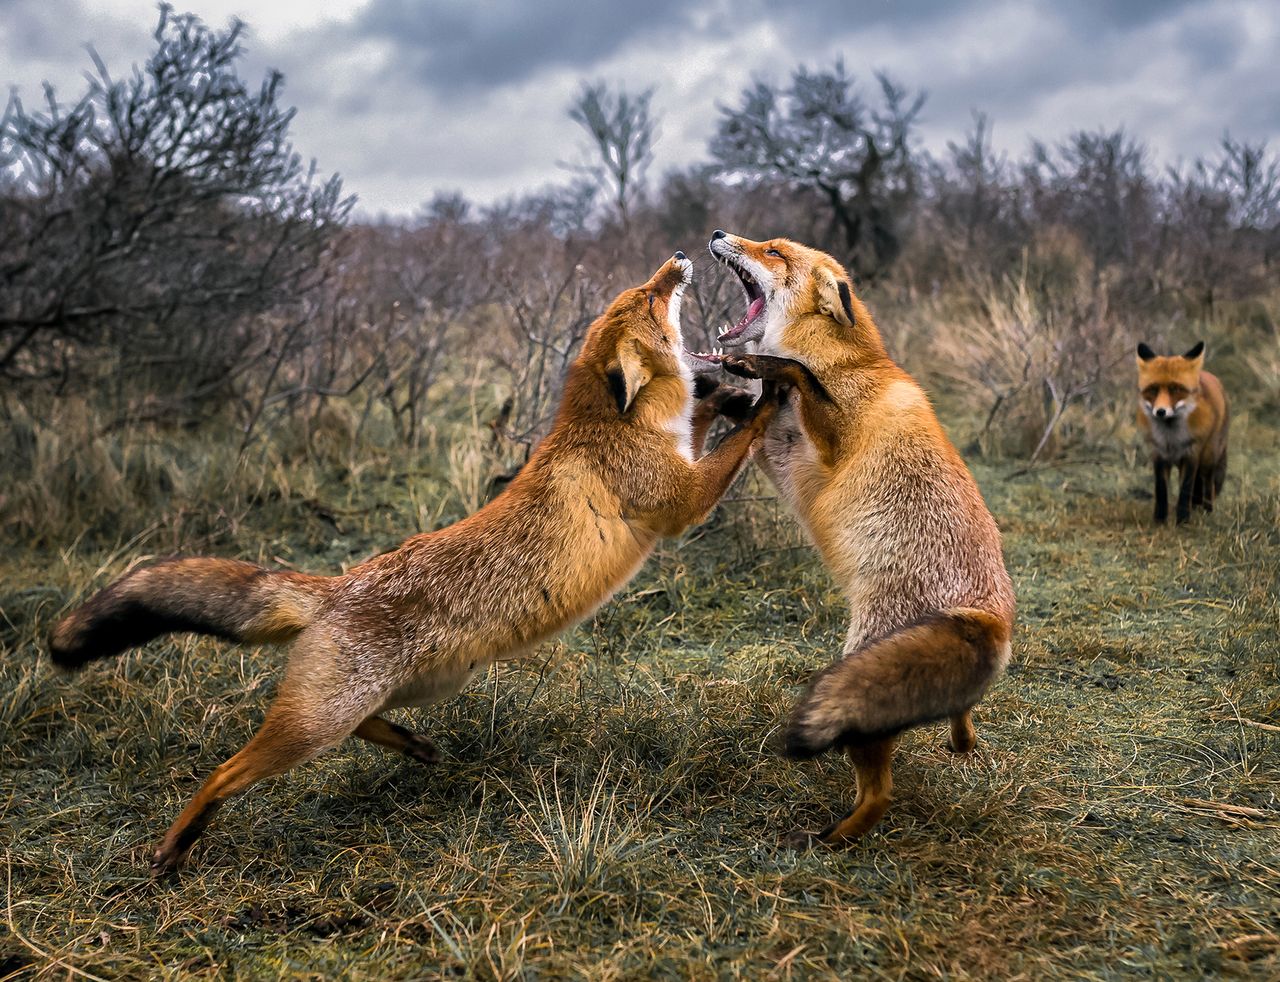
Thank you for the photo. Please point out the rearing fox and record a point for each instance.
(621, 468)
(1183, 410)
(858, 453)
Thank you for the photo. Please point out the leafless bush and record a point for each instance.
(1024, 358)
(150, 223)
(171, 260)
(1226, 216)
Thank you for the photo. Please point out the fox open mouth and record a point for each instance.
(755, 303)
(755, 308)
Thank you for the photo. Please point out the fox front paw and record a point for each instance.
(704, 385)
(165, 861)
(801, 840)
(731, 402)
(744, 366)
(422, 750)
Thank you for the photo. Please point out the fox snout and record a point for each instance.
(675, 272)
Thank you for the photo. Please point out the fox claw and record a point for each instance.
(422, 750)
(801, 840)
(164, 862)
(741, 365)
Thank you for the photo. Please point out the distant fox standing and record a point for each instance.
(621, 468)
(1183, 410)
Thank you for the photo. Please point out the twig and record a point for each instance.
(1218, 806)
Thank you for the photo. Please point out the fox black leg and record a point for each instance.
(1188, 482)
(1162, 492)
(774, 369)
(397, 738)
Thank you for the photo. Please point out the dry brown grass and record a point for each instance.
(612, 809)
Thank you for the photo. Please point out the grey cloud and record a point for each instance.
(458, 44)
(407, 98)
(1122, 15)
(47, 41)
(1213, 44)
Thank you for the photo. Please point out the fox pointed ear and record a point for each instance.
(836, 299)
(1196, 352)
(626, 376)
(1144, 352)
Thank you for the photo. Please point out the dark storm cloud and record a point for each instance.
(405, 98)
(459, 44)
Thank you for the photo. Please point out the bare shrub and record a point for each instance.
(148, 224)
(820, 136)
(1035, 364)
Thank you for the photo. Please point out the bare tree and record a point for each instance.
(152, 219)
(622, 130)
(1099, 185)
(820, 135)
(1222, 223)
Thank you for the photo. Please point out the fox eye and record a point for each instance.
(773, 252)
(651, 298)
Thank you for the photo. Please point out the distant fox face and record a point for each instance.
(784, 281)
(638, 339)
(1168, 385)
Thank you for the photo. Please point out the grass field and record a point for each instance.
(613, 808)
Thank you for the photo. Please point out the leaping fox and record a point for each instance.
(622, 467)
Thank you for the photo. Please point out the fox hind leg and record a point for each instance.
(285, 739)
(872, 765)
(399, 739)
(963, 736)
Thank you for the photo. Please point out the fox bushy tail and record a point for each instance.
(222, 597)
(933, 669)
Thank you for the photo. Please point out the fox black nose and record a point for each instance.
(680, 255)
(1162, 412)
(719, 234)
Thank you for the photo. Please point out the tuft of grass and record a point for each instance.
(585, 843)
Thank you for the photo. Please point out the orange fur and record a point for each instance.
(1183, 411)
(412, 626)
(859, 454)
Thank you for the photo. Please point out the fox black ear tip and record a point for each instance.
(1145, 352)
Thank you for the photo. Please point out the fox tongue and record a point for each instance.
(752, 313)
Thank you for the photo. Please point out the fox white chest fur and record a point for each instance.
(1171, 441)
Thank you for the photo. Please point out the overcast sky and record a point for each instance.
(405, 98)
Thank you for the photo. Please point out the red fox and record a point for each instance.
(621, 467)
(858, 453)
(1183, 410)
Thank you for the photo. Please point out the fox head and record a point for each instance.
(636, 344)
(799, 300)
(1168, 385)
